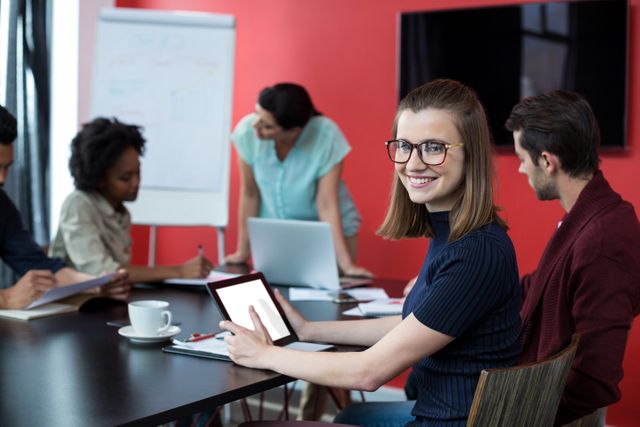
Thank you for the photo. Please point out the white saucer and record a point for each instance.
(129, 332)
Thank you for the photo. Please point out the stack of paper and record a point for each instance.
(378, 308)
(213, 276)
(359, 294)
(41, 311)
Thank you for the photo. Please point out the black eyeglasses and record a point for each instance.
(430, 152)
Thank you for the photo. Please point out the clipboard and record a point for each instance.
(189, 352)
(217, 351)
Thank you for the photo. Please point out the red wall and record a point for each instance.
(344, 52)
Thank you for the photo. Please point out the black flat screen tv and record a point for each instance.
(509, 52)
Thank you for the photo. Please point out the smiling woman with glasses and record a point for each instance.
(462, 315)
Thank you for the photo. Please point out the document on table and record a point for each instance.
(309, 294)
(359, 294)
(41, 311)
(367, 294)
(377, 308)
(216, 348)
(57, 293)
(213, 276)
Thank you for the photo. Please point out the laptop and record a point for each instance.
(233, 298)
(297, 253)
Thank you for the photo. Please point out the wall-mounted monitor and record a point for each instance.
(509, 52)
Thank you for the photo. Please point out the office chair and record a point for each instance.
(525, 395)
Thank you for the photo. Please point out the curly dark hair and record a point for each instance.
(8, 127)
(97, 146)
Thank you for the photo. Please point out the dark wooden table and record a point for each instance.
(75, 370)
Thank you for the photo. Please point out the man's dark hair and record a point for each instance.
(97, 146)
(8, 127)
(289, 103)
(561, 123)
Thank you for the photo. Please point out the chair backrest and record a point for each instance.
(525, 395)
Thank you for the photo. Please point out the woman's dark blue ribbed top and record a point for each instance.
(468, 289)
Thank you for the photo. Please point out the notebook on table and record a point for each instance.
(59, 300)
(213, 276)
(382, 307)
(233, 298)
(297, 253)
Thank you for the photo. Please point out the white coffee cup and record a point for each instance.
(150, 317)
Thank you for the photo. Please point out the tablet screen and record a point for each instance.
(234, 296)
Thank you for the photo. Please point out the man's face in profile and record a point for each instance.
(6, 160)
(543, 185)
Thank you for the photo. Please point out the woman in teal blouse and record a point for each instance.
(290, 160)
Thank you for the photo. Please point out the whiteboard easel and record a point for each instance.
(172, 74)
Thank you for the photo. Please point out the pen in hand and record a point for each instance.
(205, 266)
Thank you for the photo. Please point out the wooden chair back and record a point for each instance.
(524, 395)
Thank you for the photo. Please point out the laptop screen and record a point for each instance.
(294, 252)
(234, 296)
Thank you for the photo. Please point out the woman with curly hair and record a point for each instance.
(94, 231)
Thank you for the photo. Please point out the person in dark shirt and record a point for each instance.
(462, 314)
(38, 273)
(588, 279)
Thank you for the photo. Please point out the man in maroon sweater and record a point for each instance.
(588, 279)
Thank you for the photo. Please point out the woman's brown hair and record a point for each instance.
(474, 205)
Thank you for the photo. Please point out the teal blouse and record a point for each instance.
(288, 188)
